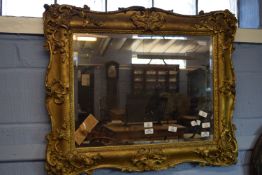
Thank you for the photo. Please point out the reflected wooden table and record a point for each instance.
(117, 113)
(133, 133)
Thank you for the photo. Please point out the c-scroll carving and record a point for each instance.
(148, 20)
(57, 91)
(228, 88)
(149, 159)
(220, 22)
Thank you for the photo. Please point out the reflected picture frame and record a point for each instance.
(62, 156)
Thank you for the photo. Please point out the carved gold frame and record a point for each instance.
(61, 21)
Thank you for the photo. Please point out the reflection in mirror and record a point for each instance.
(142, 89)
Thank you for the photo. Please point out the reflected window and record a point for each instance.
(24, 8)
(113, 5)
(78, 3)
(95, 5)
(186, 7)
(212, 5)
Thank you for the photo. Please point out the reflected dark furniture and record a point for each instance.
(146, 78)
(112, 74)
(148, 83)
(135, 132)
(143, 108)
(136, 108)
(256, 158)
(86, 91)
(197, 83)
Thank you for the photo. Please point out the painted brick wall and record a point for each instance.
(24, 121)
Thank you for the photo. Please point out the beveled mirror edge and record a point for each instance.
(62, 157)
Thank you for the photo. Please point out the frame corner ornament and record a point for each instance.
(61, 163)
(225, 153)
(220, 22)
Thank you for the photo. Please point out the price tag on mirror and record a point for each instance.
(172, 128)
(202, 114)
(206, 125)
(198, 122)
(148, 124)
(149, 131)
(204, 134)
(193, 123)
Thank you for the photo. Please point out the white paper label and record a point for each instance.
(172, 128)
(149, 131)
(85, 80)
(204, 134)
(193, 123)
(206, 125)
(202, 114)
(148, 124)
(198, 122)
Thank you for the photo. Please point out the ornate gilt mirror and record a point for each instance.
(138, 89)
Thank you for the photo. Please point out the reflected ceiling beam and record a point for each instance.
(167, 45)
(135, 44)
(178, 47)
(146, 45)
(153, 44)
(185, 56)
(101, 41)
(104, 46)
(120, 43)
(192, 47)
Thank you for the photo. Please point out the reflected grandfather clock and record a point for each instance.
(112, 72)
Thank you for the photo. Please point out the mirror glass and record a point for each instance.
(142, 89)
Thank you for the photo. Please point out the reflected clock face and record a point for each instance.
(111, 72)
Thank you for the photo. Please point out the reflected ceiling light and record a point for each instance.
(84, 38)
(159, 37)
(75, 58)
(146, 37)
(176, 37)
(180, 62)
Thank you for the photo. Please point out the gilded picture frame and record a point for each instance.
(62, 157)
